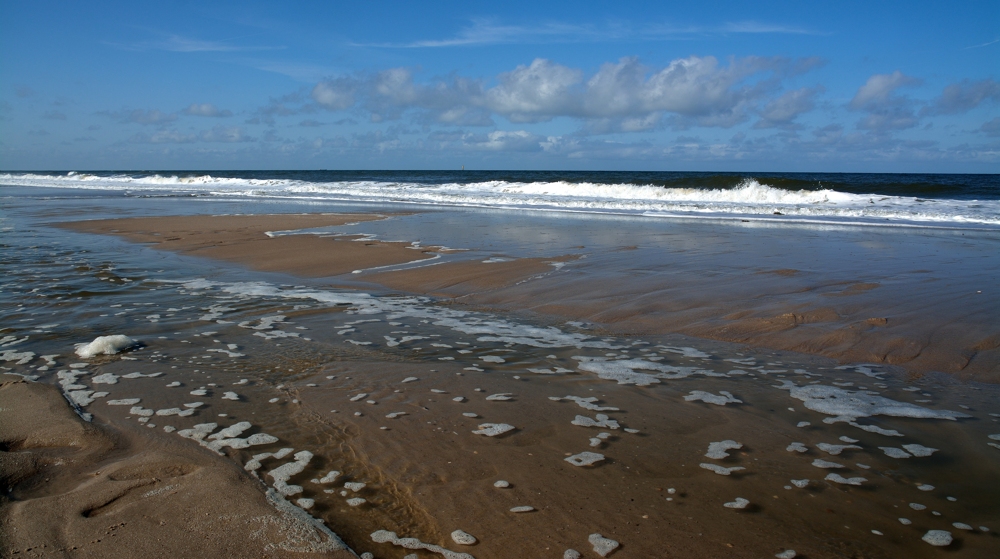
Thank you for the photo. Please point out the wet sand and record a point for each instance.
(243, 239)
(98, 490)
(923, 324)
(330, 380)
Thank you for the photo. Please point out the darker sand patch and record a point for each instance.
(242, 239)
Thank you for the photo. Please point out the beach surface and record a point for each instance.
(544, 384)
(911, 318)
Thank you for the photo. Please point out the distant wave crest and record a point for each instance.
(746, 198)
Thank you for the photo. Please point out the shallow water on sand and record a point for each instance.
(326, 370)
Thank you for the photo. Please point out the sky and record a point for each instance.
(700, 86)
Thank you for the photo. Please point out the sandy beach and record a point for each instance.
(542, 403)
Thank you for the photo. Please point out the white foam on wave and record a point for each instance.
(748, 198)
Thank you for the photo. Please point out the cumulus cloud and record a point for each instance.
(880, 89)
(781, 112)
(537, 92)
(886, 110)
(625, 96)
(335, 94)
(206, 109)
(502, 140)
(964, 96)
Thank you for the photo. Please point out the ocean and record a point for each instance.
(686, 364)
(871, 199)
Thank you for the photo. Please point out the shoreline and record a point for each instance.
(785, 309)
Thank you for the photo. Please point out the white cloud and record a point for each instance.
(206, 109)
(336, 94)
(964, 96)
(785, 109)
(536, 93)
(878, 90)
(501, 140)
(490, 32)
(624, 96)
(886, 110)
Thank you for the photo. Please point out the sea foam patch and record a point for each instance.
(104, 345)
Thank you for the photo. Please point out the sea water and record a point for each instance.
(611, 435)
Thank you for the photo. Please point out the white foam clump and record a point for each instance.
(305, 503)
(104, 345)
(717, 451)
(850, 406)
(356, 501)
(586, 403)
(836, 449)
(355, 486)
(797, 447)
(602, 546)
(493, 429)
(396, 414)
(571, 554)
(254, 464)
(938, 538)
(385, 536)
(502, 397)
(602, 421)
(409, 379)
(231, 396)
(493, 359)
(709, 398)
(837, 478)
(283, 473)
(124, 402)
(106, 378)
(140, 375)
(553, 371)
(585, 458)
(739, 504)
(919, 451)
(462, 537)
(523, 508)
(140, 411)
(961, 526)
(20, 358)
(819, 463)
(501, 484)
(787, 554)
(226, 437)
(722, 471)
(625, 371)
(800, 483)
(470, 414)
(330, 477)
(893, 452)
(925, 487)
(905, 521)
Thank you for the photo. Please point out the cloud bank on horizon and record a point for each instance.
(563, 86)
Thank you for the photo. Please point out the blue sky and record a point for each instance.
(787, 86)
